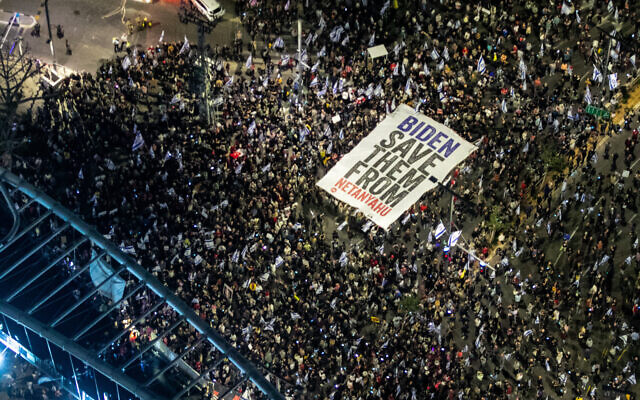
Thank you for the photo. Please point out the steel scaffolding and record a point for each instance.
(64, 289)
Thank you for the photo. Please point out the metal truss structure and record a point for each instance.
(87, 315)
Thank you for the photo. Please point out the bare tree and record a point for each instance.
(19, 90)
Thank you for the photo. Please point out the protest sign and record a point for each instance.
(390, 169)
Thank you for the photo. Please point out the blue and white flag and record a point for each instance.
(407, 87)
(587, 96)
(385, 7)
(336, 33)
(278, 43)
(566, 10)
(597, 76)
(434, 54)
(453, 238)
(126, 63)
(378, 90)
(322, 92)
(322, 52)
(327, 132)
(341, 134)
(287, 5)
(441, 65)
(445, 53)
(185, 45)
(137, 142)
(610, 6)
(440, 230)
(252, 128)
(249, 62)
(578, 17)
(315, 66)
(314, 82)
(613, 81)
(229, 82)
(303, 133)
(503, 106)
(404, 73)
(481, 65)
(425, 68)
(372, 40)
(308, 39)
(335, 87)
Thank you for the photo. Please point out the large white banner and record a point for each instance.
(395, 164)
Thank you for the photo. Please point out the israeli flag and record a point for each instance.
(137, 142)
(372, 40)
(440, 230)
(597, 76)
(308, 40)
(404, 73)
(287, 5)
(441, 65)
(395, 69)
(249, 62)
(327, 132)
(577, 17)
(322, 92)
(481, 65)
(378, 90)
(278, 43)
(341, 134)
(453, 238)
(229, 82)
(503, 106)
(303, 134)
(426, 69)
(322, 52)
(434, 54)
(315, 66)
(126, 63)
(407, 87)
(385, 7)
(587, 96)
(252, 128)
(613, 81)
(566, 10)
(610, 6)
(445, 53)
(314, 82)
(185, 45)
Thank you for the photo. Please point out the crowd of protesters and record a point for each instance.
(228, 215)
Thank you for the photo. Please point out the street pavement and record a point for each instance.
(90, 27)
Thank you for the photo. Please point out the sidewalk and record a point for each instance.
(24, 20)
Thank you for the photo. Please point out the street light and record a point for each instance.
(46, 10)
